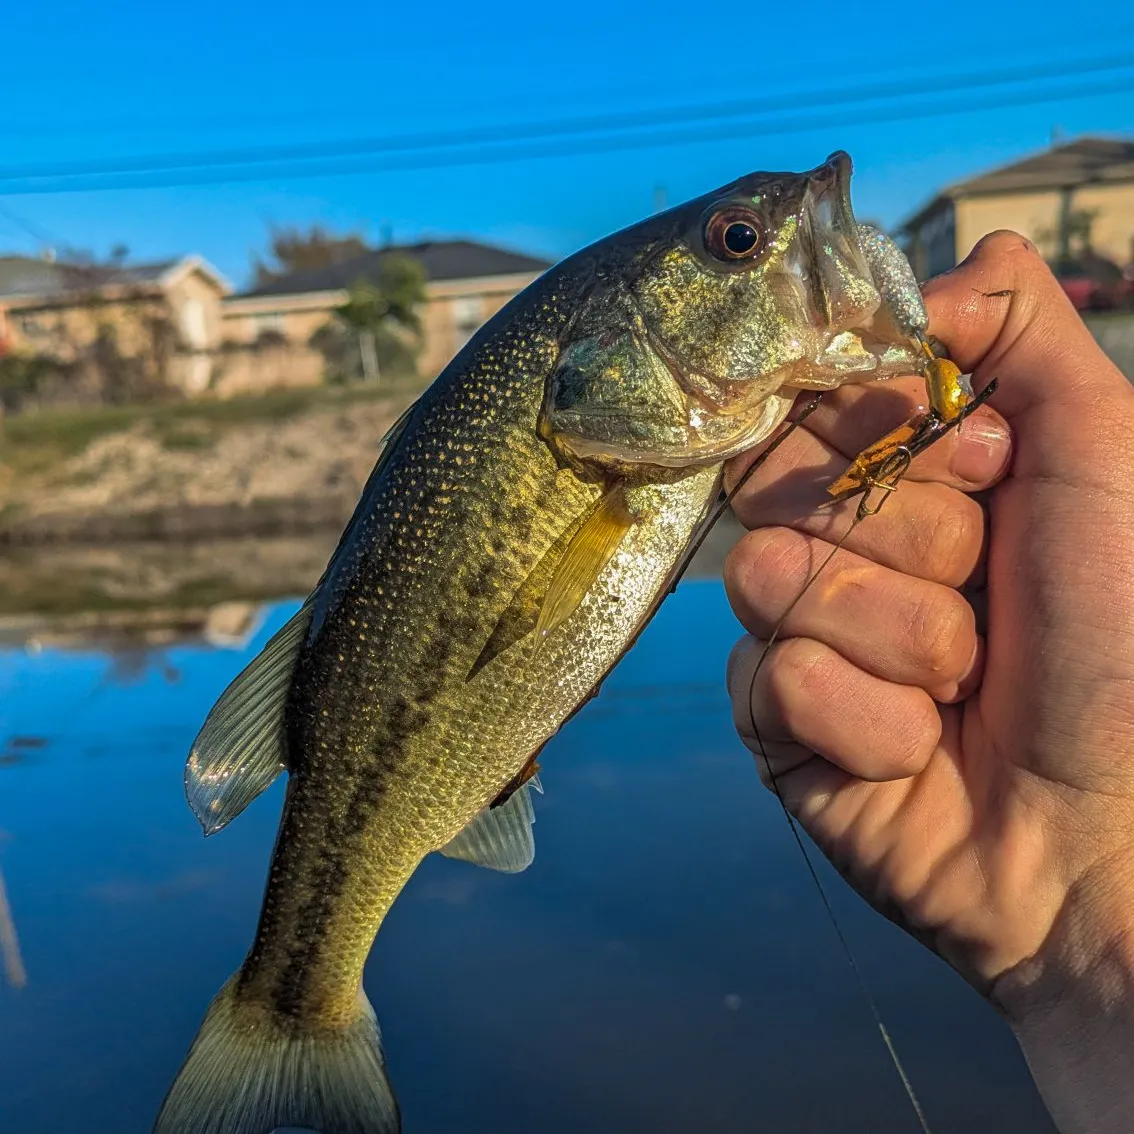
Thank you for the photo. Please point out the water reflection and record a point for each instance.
(664, 965)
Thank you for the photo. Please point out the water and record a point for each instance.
(665, 964)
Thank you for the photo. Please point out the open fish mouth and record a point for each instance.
(841, 285)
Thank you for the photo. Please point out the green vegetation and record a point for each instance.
(376, 334)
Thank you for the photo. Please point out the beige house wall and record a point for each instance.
(254, 370)
(188, 303)
(195, 304)
(195, 309)
(1036, 216)
(254, 358)
(1112, 234)
(64, 329)
(452, 313)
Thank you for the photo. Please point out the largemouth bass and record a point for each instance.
(523, 522)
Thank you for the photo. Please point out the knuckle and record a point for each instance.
(939, 631)
(1005, 244)
(952, 532)
(916, 742)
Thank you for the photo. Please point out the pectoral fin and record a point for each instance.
(499, 838)
(240, 748)
(559, 580)
(590, 550)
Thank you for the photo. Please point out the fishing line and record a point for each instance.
(864, 509)
(723, 504)
(861, 513)
(884, 478)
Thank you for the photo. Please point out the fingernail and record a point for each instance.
(981, 451)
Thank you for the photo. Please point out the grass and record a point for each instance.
(36, 442)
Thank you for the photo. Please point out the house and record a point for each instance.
(267, 330)
(159, 322)
(1074, 201)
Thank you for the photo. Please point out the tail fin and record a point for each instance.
(249, 1074)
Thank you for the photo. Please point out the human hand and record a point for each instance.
(979, 790)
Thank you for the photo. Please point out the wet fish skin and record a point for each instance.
(418, 691)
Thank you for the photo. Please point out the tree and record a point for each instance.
(379, 320)
(293, 250)
(1069, 239)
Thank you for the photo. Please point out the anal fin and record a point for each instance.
(528, 773)
(499, 837)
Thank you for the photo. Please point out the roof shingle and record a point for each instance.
(25, 276)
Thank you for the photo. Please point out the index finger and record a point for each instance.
(1002, 313)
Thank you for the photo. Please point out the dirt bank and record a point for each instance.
(272, 466)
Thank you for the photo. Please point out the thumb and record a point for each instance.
(1002, 313)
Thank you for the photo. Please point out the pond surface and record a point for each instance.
(665, 965)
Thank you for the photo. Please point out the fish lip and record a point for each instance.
(835, 172)
(830, 183)
(842, 285)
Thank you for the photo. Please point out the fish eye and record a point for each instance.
(734, 234)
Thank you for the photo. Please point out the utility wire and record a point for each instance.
(566, 127)
(37, 232)
(523, 144)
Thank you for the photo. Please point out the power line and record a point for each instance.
(412, 152)
(537, 131)
(37, 232)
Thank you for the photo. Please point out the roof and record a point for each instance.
(27, 277)
(1085, 161)
(440, 259)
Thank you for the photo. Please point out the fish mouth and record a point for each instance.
(842, 287)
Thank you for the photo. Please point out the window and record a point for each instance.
(193, 329)
(467, 317)
(267, 321)
(32, 328)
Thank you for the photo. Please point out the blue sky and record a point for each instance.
(135, 79)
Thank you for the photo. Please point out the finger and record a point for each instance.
(1002, 313)
(926, 636)
(807, 693)
(927, 530)
(973, 456)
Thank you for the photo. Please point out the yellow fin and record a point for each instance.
(590, 550)
(522, 613)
